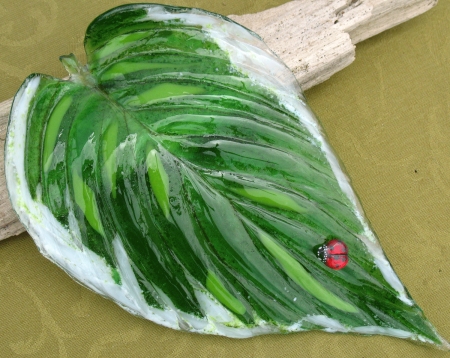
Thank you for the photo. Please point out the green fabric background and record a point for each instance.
(387, 116)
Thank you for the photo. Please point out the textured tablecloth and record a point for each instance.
(387, 116)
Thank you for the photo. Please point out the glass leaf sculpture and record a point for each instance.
(181, 174)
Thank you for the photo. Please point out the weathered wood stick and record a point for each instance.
(314, 38)
(9, 223)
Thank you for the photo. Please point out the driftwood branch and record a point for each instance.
(314, 38)
(9, 223)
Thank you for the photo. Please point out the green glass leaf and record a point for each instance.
(182, 174)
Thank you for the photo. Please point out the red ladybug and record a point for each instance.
(334, 254)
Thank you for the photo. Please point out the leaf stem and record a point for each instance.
(78, 73)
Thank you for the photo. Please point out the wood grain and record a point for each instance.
(9, 223)
(314, 38)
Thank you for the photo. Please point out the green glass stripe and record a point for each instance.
(85, 199)
(52, 129)
(109, 143)
(120, 43)
(271, 198)
(216, 287)
(163, 90)
(109, 25)
(124, 68)
(159, 180)
(298, 274)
